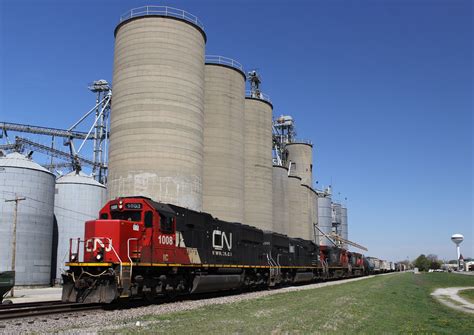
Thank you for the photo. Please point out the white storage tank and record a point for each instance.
(21, 177)
(325, 218)
(78, 198)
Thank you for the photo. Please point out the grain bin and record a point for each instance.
(325, 218)
(281, 205)
(300, 155)
(78, 199)
(21, 177)
(258, 163)
(296, 207)
(223, 169)
(344, 226)
(157, 119)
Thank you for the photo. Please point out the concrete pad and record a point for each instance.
(35, 294)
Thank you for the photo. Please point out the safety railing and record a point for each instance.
(162, 11)
(215, 59)
(301, 140)
(259, 95)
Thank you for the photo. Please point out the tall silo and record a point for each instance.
(258, 163)
(306, 213)
(78, 198)
(325, 218)
(157, 119)
(20, 177)
(281, 205)
(223, 172)
(344, 226)
(314, 232)
(295, 192)
(301, 157)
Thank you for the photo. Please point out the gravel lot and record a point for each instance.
(93, 322)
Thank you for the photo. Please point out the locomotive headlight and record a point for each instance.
(73, 257)
(99, 257)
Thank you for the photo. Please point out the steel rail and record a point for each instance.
(14, 311)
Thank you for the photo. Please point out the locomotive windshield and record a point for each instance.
(127, 215)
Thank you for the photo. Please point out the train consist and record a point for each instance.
(142, 248)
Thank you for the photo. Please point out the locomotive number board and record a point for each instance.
(130, 205)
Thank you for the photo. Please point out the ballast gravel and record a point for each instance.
(94, 321)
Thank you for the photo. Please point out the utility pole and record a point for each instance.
(15, 216)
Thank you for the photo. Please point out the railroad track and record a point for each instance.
(24, 310)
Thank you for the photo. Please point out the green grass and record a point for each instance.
(398, 303)
(467, 294)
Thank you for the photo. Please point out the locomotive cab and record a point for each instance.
(129, 231)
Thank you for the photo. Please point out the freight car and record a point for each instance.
(142, 248)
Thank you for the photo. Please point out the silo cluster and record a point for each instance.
(183, 131)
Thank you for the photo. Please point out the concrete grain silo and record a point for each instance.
(295, 195)
(20, 177)
(306, 213)
(258, 163)
(344, 226)
(223, 172)
(157, 118)
(301, 157)
(325, 218)
(78, 198)
(281, 205)
(314, 232)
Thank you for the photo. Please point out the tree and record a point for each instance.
(435, 263)
(422, 263)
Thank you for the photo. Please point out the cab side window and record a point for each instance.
(166, 224)
(148, 219)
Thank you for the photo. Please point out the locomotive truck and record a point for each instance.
(146, 249)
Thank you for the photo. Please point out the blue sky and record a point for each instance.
(383, 89)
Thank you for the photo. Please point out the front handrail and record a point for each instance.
(216, 59)
(260, 95)
(162, 11)
(128, 253)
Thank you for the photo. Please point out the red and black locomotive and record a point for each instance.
(142, 248)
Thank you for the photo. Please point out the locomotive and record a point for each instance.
(139, 248)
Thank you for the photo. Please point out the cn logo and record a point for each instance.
(93, 244)
(221, 240)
